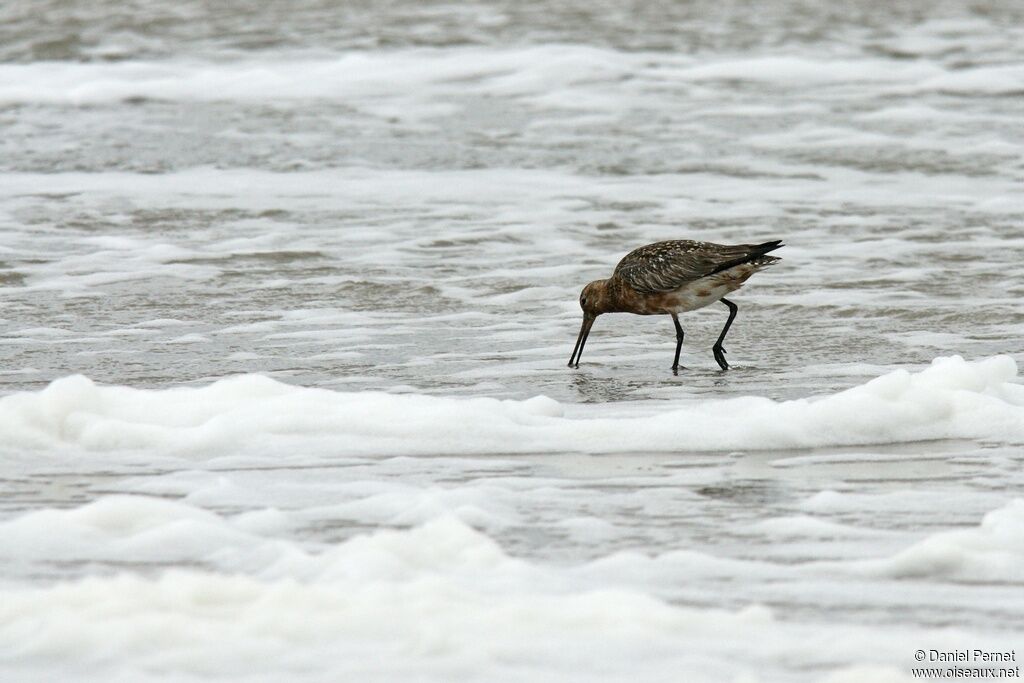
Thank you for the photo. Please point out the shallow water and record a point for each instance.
(407, 199)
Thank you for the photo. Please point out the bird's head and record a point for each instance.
(594, 298)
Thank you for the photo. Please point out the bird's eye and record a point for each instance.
(583, 301)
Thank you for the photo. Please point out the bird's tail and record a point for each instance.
(765, 247)
(755, 255)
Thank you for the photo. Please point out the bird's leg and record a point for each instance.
(679, 344)
(717, 348)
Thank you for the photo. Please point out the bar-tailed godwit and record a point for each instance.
(671, 278)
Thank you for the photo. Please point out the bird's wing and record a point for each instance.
(664, 266)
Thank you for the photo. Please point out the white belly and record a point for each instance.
(708, 290)
(691, 297)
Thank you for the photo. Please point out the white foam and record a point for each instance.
(951, 399)
(801, 71)
(380, 81)
(440, 598)
(803, 526)
(134, 528)
(992, 551)
(383, 83)
(988, 80)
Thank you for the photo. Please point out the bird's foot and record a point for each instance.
(720, 357)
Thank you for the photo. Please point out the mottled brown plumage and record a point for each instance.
(670, 278)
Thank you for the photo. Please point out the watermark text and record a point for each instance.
(966, 663)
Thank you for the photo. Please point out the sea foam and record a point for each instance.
(441, 599)
(601, 75)
(993, 551)
(951, 399)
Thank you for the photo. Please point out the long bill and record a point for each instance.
(577, 352)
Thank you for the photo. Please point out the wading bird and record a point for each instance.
(671, 278)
